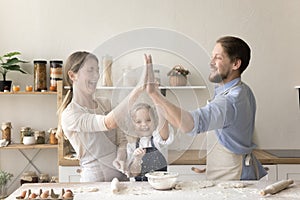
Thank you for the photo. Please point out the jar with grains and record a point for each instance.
(29, 177)
(25, 131)
(39, 137)
(6, 131)
(44, 178)
(56, 73)
(40, 75)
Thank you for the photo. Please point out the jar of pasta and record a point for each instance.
(40, 75)
(56, 73)
(6, 131)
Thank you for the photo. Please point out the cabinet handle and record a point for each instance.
(78, 171)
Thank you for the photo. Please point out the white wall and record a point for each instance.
(52, 29)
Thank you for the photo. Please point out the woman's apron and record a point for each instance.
(153, 160)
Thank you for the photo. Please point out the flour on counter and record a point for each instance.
(194, 185)
(226, 185)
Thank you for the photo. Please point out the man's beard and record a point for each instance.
(217, 78)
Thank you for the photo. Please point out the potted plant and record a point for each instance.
(4, 178)
(178, 76)
(9, 62)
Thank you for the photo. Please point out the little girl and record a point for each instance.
(148, 150)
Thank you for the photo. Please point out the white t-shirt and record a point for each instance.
(96, 147)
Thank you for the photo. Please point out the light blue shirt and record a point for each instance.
(231, 114)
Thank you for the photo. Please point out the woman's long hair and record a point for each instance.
(74, 63)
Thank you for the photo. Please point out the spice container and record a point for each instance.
(52, 136)
(29, 177)
(39, 137)
(6, 131)
(56, 73)
(40, 75)
(25, 131)
(44, 178)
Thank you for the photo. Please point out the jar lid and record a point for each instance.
(6, 125)
(29, 173)
(40, 61)
(56, 61)
(25, 128)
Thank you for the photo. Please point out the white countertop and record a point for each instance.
(189, 190)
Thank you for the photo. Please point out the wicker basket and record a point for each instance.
(178, 80)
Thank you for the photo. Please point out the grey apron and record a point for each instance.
(153, 160)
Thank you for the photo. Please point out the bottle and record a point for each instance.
(157, 76)
(107, 71)
(40, 75)
(56, 73)
(6, 131)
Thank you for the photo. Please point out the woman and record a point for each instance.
(89, 122)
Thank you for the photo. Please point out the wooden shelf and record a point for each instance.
(23, 92)
(34, 146)
(160, 87)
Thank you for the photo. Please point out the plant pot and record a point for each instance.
(5, 85)
(28, 140)
(3, 191)
(178, 80)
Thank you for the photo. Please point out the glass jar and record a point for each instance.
(6, 131)
(129, 77)
(56, 73)
(25, 131)
(40, 75)
(44, 178)
(29, 177)
(52, 136)
(39, 137)
(157, 76)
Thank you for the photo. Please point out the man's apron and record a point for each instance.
(222, 164)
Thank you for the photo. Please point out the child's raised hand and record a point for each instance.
(139, 152)
(151, 86)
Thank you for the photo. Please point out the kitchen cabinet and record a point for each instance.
(288, 171)
(272, 173)
(69, 174)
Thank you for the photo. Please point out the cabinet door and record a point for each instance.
(272, 173)
(186, 173)
(288, 171)
(68, 174)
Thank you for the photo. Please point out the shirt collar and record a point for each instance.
(219, 89)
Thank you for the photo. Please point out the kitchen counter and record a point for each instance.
(196, 157)
(187, 190)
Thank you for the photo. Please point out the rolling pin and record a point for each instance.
(276, 187)
(115, 185)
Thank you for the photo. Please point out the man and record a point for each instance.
(230, 115)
